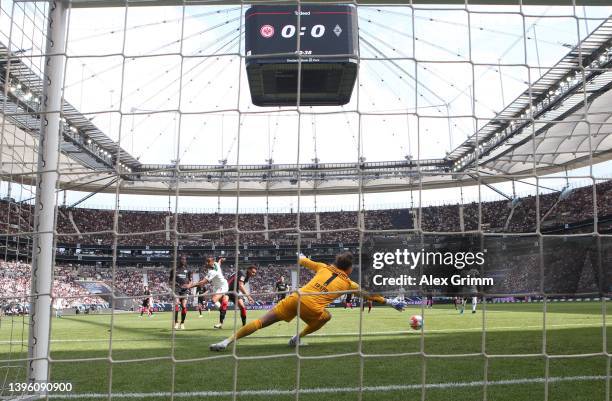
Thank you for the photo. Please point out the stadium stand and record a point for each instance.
(95, 225)
(516, 270)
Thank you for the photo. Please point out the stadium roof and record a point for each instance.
(144, 3)
(547, 127)
(551, 110)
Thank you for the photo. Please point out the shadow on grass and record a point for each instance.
(593, 307)
(324, 363)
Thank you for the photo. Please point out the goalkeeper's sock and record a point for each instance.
(176, 316)
(244, 331)
(377, 298)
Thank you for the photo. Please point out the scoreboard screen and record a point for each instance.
(317, 43)
(322, 30)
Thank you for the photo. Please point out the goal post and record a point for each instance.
(43, 249)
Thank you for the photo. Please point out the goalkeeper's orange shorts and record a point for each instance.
(287, 310)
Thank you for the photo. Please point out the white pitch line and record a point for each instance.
(539, 326)
(479, 329)
(327, 390)
(339, 334)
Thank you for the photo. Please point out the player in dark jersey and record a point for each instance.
(348, 301)
(146, 302)
(281, 289)
(429, 301)
(457, 301)
(236, 284)
(369, 303)
(201, 290)
(181, 279)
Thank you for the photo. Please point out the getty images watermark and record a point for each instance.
(403, 258)
(388, 266)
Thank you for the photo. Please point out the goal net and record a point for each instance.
(139, 140)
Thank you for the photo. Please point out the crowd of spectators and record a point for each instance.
(128, 281)
(519, 265)
(554, 265)
(520, 215)
(14, 281)
(517, 271)
(124, 282)
(157, 228)
(15, 217)
(15, 286)
(95, 226)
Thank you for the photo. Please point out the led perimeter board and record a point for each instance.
(328, 45)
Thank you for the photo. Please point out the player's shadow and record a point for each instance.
(86, 364)
(556, 306)
(119, 328)
(586, 339)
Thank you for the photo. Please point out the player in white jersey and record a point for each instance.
(59, 307)
(471, 290)
(214, 277)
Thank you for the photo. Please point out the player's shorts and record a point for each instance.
(202, 300)
(221, 290)
(287, 310)
(145, 303)
(232, 297)
(181, 292)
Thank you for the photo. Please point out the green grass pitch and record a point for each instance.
(150, 361)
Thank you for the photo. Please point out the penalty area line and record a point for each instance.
(195, 337)
(327, 390)
(433, 331)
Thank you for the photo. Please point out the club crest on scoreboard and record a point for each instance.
(267, 31)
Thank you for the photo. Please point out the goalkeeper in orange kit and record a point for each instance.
(329, 283)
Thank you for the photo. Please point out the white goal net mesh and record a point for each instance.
(470, 128)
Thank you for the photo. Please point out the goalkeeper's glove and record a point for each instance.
(397, 304)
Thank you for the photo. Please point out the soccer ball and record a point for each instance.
(416, 322)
